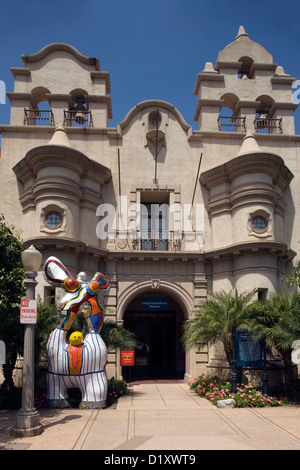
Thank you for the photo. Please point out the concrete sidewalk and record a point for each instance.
(160, 416)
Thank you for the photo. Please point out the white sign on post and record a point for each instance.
(28, 313)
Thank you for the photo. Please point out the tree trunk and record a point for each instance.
(228, 352)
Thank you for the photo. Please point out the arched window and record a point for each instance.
(78, 115)
(245, 70)
(263, 123)
(41, 113)
(39, 95)
(265, 104)
(228, 121)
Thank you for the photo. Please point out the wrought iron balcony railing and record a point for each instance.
(268, 125)
(78, 118)
(232, 123)
(156, 241)
(38, 117)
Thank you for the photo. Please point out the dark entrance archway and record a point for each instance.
(157, 321)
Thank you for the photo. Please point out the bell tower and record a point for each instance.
(58, 100)
(245, 90)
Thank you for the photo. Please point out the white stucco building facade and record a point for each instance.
(226, 195)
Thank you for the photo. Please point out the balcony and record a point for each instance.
(78, 119)
(265, 125)
(232, 123)
(156, 241)
(38, 117)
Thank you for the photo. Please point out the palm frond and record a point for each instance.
(116, 336)
(214, 319)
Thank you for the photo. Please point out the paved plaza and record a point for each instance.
(160, 416)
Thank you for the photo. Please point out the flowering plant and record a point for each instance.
(40, 401)
(215, 389)
(116, 388)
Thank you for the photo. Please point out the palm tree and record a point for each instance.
(278, 324)
(216, 317)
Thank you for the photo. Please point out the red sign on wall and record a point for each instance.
(127, 357)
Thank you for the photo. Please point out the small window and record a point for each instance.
(262, 293)
(53, 220)
(259, 224)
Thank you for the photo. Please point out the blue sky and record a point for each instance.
(152, 48)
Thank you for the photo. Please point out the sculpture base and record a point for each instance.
(58, 404)
(84, 404)
(93, 404)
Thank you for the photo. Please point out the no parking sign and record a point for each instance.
(28, 313)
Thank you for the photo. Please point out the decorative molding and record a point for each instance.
(154, 104)
(155, 283)
(59, 186)
(60, 47)
(229, 196)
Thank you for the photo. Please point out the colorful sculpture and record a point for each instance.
(81, 363)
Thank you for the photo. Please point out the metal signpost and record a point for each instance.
(234, 377)
(127, 359)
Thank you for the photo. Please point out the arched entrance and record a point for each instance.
(157, 321)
